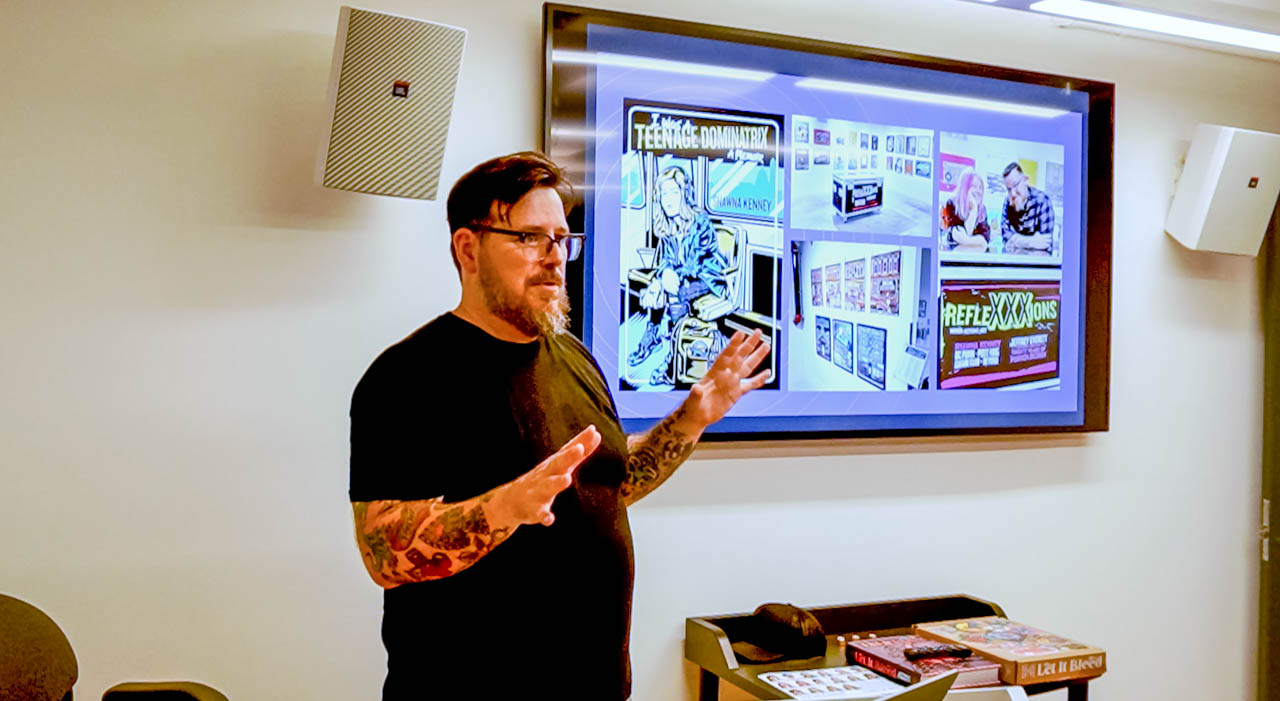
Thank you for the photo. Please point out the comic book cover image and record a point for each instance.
(842, 344)
(1009, 638)
(886, 282)
(998, 333)
(833, 278)
(870, 346)
(822, 336)
(700, 239)
(815, 282)
(855, 296)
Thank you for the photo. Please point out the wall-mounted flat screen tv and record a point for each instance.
(945, 225)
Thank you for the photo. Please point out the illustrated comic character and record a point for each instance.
(689, 264)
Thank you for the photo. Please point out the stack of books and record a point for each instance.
(896, 657)
(986, 651)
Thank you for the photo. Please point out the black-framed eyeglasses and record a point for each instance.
(540, 241)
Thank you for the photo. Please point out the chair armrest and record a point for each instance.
(642, 275)
(163, 691)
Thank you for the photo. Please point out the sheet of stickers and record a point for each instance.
(851, 682)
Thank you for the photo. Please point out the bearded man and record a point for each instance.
(490, 476)
(1027, 222)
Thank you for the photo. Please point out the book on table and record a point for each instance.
(888, 656)
(1027, 655)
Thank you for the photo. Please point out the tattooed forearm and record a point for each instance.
(654, 456)
(456, 528)
(413, 541)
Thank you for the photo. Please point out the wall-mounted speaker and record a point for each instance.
(391, 92)
(1227, 192)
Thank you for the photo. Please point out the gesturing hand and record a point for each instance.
(725, 383)
(528, 498)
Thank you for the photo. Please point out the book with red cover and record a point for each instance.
(885, 655)
(1027, 655)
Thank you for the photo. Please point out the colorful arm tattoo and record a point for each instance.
(654, 456)
(414, 541)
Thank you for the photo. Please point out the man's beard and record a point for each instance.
(552, 320)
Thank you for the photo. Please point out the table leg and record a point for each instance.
(1078, 691)
(709, 686)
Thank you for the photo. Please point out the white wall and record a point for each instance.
(185, 315)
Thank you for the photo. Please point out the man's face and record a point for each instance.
(670, 197)
(521, 285)
(1016, 183)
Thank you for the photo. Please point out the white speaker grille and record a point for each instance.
(379, 142)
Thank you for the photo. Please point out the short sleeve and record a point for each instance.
(379, 436)
(399, 423)
(416, 405)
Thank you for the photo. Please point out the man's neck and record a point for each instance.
(477, 314)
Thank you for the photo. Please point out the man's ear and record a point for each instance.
(466, 246)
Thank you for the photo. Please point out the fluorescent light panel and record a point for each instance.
(934, 98)
(580, 133)
(657, 64)
(1160, 23)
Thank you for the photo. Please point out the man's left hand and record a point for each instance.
(727, 380)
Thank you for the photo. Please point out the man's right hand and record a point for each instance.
(528, 498)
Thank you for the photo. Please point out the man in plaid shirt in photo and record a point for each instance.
(1027, 221)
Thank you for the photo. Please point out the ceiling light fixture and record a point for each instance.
(1160, 23)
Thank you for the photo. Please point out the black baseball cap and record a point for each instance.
(778, 631)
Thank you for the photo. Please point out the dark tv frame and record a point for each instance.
(564, 26)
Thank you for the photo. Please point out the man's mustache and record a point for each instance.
(543, 279)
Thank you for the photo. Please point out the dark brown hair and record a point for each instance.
(501, 181)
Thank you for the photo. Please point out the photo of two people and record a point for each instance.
(999, 200)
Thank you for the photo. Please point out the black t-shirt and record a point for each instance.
(453, 412)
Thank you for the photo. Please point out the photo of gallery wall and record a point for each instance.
(861, 178)
(869, 328)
